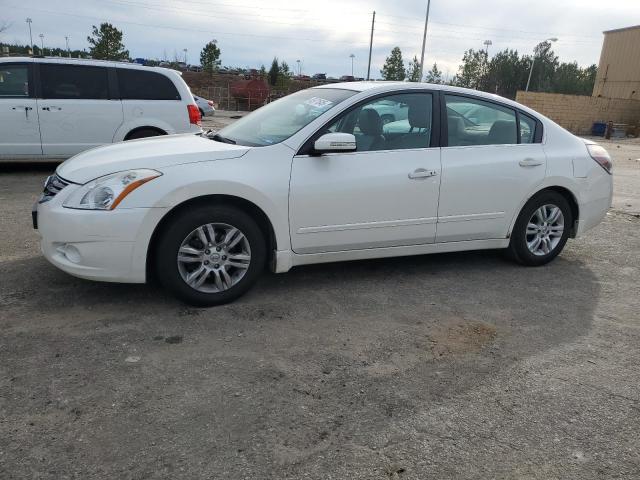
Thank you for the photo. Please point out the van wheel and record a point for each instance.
(144, 133)
(542, 229)
(210, 255)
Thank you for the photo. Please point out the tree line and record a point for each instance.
(505, 73)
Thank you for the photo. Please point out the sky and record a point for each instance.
(323, 34)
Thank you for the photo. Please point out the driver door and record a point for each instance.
(384, 194)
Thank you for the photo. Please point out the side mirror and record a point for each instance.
(335, 143)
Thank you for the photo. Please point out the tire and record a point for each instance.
(538, 246)
(217, 287)
(144, 133)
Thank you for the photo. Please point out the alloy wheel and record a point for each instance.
(214, 257)
(545, 229)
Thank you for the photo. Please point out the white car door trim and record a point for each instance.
(472, 216)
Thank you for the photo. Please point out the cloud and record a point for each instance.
(323, 34)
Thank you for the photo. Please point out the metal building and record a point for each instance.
(619, 69)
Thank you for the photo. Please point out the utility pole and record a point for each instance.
(424, 40)
(68, 51)
(352, 56)
(42, 42)
(30, 36)
(373, 23)
(185, 55)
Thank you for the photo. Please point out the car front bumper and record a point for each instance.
(108, 246)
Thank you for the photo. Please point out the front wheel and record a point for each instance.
(210, 255)
(541, 230)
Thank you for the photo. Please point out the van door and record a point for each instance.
(77, 111)
(19, 127)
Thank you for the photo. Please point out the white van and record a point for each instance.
(54, 108)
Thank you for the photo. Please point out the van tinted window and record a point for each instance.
(141, 85)
(14, 80)
(73, 81)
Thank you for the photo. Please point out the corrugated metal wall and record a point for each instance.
(619, 69)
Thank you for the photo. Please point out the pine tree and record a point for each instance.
(434, 75)
(393, 68)
(413, 72)
(106, 43)
(210, 57)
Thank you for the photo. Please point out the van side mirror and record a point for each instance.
(335, 143)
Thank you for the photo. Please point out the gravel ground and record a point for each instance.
(442, 366)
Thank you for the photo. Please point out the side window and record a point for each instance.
(527, 129)
(137, 84)
(476, 122)
(14, 80)
(393, 122)
(59, 81)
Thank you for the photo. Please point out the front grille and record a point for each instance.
(52, 187)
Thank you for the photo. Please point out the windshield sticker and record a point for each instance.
(318, 102)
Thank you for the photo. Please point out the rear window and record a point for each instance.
(74, 82)
(142, 85)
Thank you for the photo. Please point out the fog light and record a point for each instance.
(70, 252)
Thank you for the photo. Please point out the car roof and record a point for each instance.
(85, 61)
(374, 87)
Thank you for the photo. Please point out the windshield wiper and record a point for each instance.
(219, 138)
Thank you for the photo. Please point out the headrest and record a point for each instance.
(370, 122)
(419, 114)
(503, 132)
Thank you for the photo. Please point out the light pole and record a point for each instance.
(352, 56)
(185, 55)
(424, 40)
(299, 67)
(533, 60)
(30, 36)
(42, 42)
(68, 51)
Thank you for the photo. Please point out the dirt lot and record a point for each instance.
(433, 367)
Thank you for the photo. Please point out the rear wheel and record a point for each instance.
(541, 230)
(210, 255)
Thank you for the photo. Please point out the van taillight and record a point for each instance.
(194, 114)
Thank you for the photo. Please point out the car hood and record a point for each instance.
(155, 152)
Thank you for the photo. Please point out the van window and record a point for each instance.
(14, 80)
(143, 85)
(73, 82)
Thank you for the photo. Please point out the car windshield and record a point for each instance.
(278, 120)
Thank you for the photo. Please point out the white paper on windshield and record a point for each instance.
(318, 102)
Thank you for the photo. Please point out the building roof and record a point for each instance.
(616, 30)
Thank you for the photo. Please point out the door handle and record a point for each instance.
(51, 109)
(530, 162)
(422, 173)
(23, 107)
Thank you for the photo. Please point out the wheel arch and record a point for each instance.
(247, 206)
(139, 129)
(567, 194)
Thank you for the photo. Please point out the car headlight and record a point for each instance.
(105, 193)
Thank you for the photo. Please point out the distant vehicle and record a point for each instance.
(317, 177)
(320, 76)
(195, 68)
(347, 78)
(206, 106)
(57, 107)
(302, 77)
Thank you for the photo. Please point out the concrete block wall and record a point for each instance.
(577, 113)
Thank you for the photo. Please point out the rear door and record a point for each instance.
(492, 159)
(19, 127)
(77, 109)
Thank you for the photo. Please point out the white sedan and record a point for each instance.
(318, 177)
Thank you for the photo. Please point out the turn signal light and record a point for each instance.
(194, 114)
